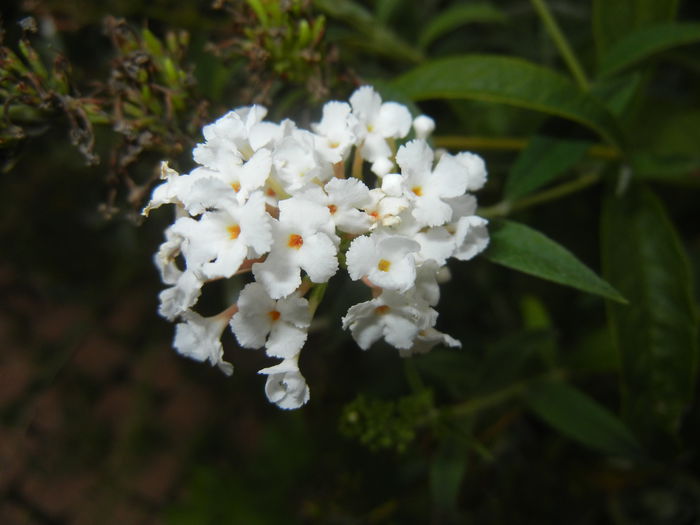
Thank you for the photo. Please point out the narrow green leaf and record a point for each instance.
(614, 19)
(579, 417)
(521, 248)
(510, 81)
(542, 161)
(656, 333)
(645, 42)
(457, 16)
(373, 35)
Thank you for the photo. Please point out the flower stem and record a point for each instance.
(515, 390)
(506, 207)
(601, 151)
(357, 164)
(316, 296)
(562, 43)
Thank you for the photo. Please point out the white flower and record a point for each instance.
(427, 339)
(285, 386)
(377, 122)
(228, 138)
(388, 261)
(344, 199)
(395, 317)
(279, 325)
(167, 192)
(217, 244)
(166, 257)
(335, 134)
(180, 297)
(199, 338)
(471, 236)
(298, 164)
(383, 209)
(429, 188)
(301, 241)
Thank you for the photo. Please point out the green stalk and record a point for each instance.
(506, 207)
(562, 44)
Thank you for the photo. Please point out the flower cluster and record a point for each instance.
(275, 200)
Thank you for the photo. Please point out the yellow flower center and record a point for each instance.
(417, 190)
(234, 231)
(383, 265)
(295, 241)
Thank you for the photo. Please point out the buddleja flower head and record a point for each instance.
(275, 201)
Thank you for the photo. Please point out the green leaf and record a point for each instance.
(646, 42)
(579, 417)
(543, 160)
(519, 247)
(373, 35)
(446, 473)
(656, 333)
(614, 19)
(457, 16)
(510, 81)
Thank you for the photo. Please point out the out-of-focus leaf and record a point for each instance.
(617, 92)
(536, 318)
(446, 473)
(656, 333)
(457, 16)
(544, 159)
(511, 81)
(614, 19)
(376, 37)
(645, 42)
(677, 169)
(579, 417)
(521, 248)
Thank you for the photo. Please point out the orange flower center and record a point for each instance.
(381, 310)
(417, 190)
(333, 208)
(295, 241)
(274, 315)
(236, 186)
(234, 231)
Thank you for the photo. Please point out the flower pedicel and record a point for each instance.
(275, 199)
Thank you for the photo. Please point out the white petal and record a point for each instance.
(449, 178)
(360, 257)
(476, 170)
(317, 257)
(285, 340)
(394, 120)
(279, 275)
(415, 157)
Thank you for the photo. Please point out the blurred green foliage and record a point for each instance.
(567, 404)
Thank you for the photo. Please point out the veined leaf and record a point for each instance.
(511, 81)
(646, 42)
(614, 19)
(544, 159)
(457, 16)
(521, 248)
(656, 333)
(579, 417)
